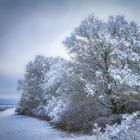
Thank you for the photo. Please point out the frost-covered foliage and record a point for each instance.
(102, 79)
(45, 92)
(32, 84)
(129, 129)
(107, 56)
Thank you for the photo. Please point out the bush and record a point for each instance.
(79, 117)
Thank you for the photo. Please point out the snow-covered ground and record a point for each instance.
(19, 127)
(4, 107)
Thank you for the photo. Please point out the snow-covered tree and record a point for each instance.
(107, 58)
(45, 90)
(32, 84)
(57, 93)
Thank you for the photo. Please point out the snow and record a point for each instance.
(20, 127)
(25, 128)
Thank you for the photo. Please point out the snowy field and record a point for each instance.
(18, 127)
(4, 107)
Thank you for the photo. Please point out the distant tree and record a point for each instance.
(44, 86)
(107, 58)
(61, 86)
(32, 84)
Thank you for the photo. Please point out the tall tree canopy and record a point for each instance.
(107, 57)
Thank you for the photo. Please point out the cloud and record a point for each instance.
(31, 27)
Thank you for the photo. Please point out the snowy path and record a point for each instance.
(19, 127)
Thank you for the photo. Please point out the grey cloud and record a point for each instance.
(31, 27)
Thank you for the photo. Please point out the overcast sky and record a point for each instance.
(31, 27)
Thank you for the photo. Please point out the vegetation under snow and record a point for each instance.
(92, 90)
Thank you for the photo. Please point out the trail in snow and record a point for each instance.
(20, 127)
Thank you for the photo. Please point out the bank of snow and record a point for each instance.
(20, 127)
